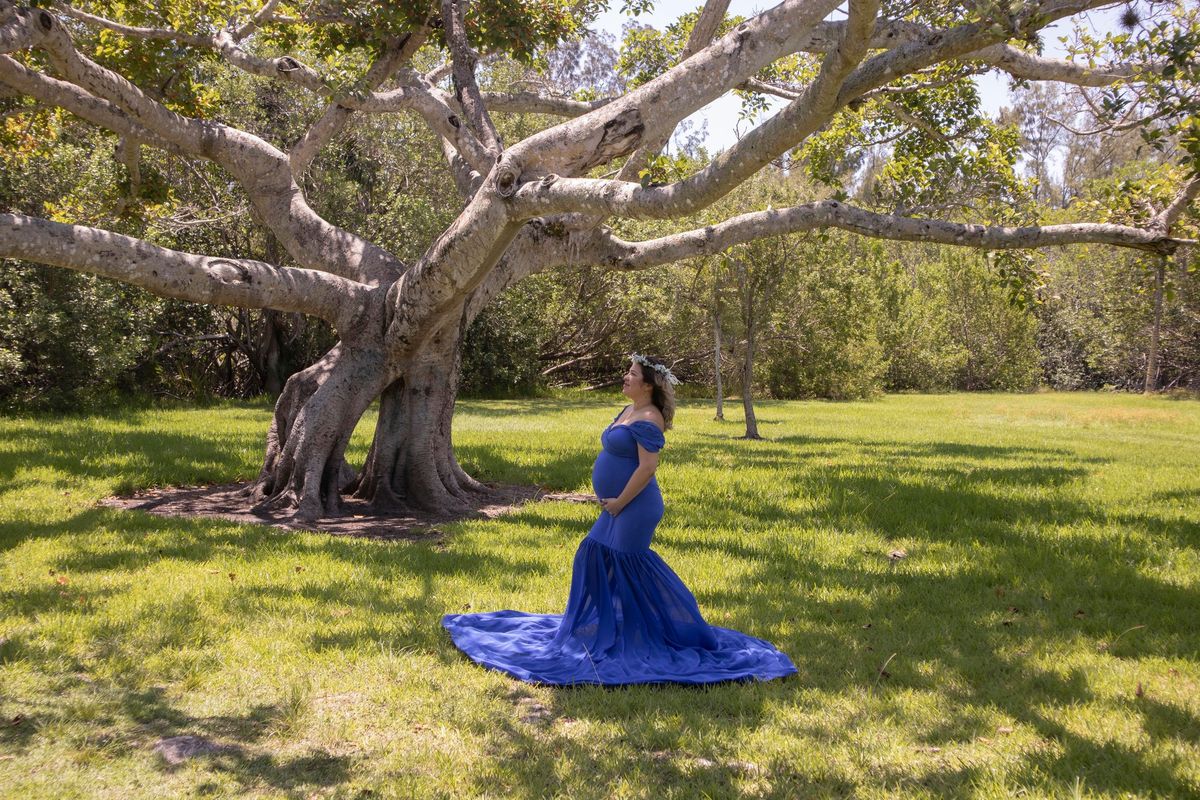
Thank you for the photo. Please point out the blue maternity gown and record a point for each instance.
(629, 618)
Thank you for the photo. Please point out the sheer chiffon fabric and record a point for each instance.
(629, 618)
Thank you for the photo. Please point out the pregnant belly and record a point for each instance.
(610, 474)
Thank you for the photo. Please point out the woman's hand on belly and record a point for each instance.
(612, 505)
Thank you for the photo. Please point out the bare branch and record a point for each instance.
(532, 103)
(170, 273)
(1005, 57)
(70, 97)
(793, 124)
(132, 31)
(834, 214)
(16, 29)
(263, 14)
(336, 115)
(755, 85)
(465, 88)
(431, 103)
(1125, 124)
(711, 17)
(619, 127)
(1187, 195)
(1030, 66)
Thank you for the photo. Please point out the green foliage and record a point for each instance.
(1167, 93)
(823, 338)
(69, 340)
(998, 336)
(501, 348)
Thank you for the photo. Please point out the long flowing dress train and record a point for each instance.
(629, 618)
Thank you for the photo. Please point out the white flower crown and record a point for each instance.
(659, 368)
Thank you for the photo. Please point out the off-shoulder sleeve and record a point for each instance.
(647, 435)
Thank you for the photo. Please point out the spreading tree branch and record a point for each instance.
(715, 239)
(108, 99)
(186, 276)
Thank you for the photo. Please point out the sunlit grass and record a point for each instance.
(1039, 636)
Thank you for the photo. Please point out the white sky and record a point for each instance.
(722, 114)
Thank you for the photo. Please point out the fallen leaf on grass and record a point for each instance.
(62, 579)
(1140, 692)
(1004, 729)
(1080, 613)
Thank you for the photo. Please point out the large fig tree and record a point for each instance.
(527, 206)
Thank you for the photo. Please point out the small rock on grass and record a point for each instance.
(177, 749)
(533, 712)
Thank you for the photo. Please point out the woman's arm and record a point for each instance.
(647, 464)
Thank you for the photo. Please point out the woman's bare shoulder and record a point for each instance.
(652, 414)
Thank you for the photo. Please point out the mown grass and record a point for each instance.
(1040, 638)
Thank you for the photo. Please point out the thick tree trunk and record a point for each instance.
(305, 467)
(1151, 382)
(411, 465)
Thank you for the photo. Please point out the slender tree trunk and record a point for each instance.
(747, 380)
(268, 354)
(717, 362)
(748, 358)
(1152, 357)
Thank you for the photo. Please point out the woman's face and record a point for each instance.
(634, 386)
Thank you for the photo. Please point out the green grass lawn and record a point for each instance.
(1041, 638)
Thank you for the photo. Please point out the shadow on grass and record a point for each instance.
(1017, 592)
(235, 737)
(976, 633)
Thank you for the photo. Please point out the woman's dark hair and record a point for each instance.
(663, 396)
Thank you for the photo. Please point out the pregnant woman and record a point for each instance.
(629, 618)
